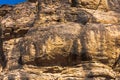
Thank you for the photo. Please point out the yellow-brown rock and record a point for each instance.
(60, 40)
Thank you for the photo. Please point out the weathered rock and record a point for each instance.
(78, 16)
(20, 18)
(52, 45)
(49, 45)
(69, 40)
(114, 5)
(5, 9)
(100, 41)
(88, 71)
(109, 17)
(11, 62)
(49, 15)
(100, 4)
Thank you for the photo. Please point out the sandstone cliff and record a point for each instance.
(60, 40)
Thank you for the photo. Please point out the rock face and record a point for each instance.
(95, 71)
(51, 45)
(18, 19)
(48, 45)
(60, 40)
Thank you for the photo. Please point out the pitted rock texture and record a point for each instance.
(60, 40)
(52, 45)
(86, 71)
(18, 20)
(48, 45)
(101, 41)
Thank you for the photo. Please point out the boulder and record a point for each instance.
(69, 43)
(54, 45)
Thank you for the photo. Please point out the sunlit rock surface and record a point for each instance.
(60, 40)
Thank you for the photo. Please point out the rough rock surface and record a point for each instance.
(60, 40)
(18, 20)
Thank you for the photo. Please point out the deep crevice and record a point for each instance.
(74, 3)
(2, 55)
